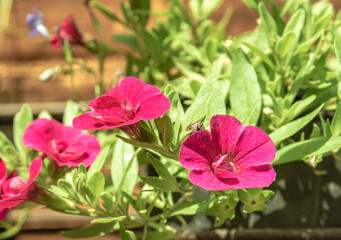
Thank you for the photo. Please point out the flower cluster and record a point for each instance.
(124, 105)
(15, 190)
(67, 31)
(231, 156)
(64, 145)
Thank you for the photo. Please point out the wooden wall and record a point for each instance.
(22, 59)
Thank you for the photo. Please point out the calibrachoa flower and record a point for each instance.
(67, 31)
(15, 190)
(124, 105)
(64, 145)
(231, 156)
(35, 22)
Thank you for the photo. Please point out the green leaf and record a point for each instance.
(267, 18)
(336, 121)
(95, 185)
(211, 47)
(166, 131)
(246, 119)
(158, 183)
(142, 10)
(176, 111)
(126, 234)
(97, 165)
(296, 23)
(6, 146)
(254, 199)
(98, 229)
(251, 4)
(307, 148)
(153, 44)
(128, 40)
(244, 88)
(70, 112)
(261, 54)
(21, 120)
(124, 167)
(286, 44)
(105, 10)
(67, 52)
(109, 219)
(293, 127)
(45, 114)
(163, 172)
(209, 102)
(190, 208)
(223, 207)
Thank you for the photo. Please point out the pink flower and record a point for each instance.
(68, 31)
(231, 156)
(64, 145)
(15, 190)
(126, 104)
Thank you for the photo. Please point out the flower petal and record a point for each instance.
(226, 131)
(3, 213)
(3, 172)
(152, 103)
(210, 182)
(87, 122)
(256, 176)
(254, 147)
(195, 151)
(38, 134)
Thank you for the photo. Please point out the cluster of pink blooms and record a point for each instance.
(67, 31)
(230, 156)
(15, 190)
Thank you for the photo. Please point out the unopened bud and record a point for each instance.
(196, 127)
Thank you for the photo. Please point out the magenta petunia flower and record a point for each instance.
(231, 156)
(15, 190)
(69, 31)
(126, 104)
(64, 145)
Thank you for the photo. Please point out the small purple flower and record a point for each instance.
(35, 22)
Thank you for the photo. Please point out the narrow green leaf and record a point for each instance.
(166, 131)
(336, 121)
(251, 4)
(158, 183)
(7, 147)
(261, 54)
(267, 18)
(95, 185)
(109, 219)
(67, 52)
(128, 40)
(99, 161)
(21, 120)
(296, 23)
(293, 127)
(105, 10)
(70, 112)
(124, 167)
(163, 172)
(98, 229)
(286, 44)
(45, 114)
(307, 148)
(126, 234)
(246, 119)
(176, 111)
(190, 208)
(209, 101)
(244, 88)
